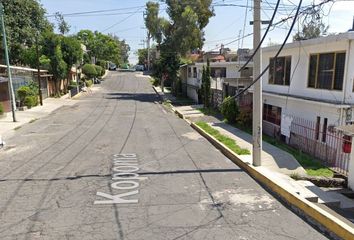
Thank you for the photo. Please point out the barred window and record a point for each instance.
(326, 71)
(280, 70)
(218, 72)
(272, 114)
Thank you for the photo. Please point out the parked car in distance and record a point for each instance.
(139, 67)
(112, 67)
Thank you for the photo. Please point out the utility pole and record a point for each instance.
(148, 50)
(257, 93)
(39, 71)
(11, 90)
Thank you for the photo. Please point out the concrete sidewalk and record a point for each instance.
(7, 126)
(273, 158)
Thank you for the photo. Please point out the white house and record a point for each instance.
(311, 80)
(222, 73)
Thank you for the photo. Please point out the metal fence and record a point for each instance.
(331, 147)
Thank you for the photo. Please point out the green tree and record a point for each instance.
(142, 56)
(153, 23)
(23, 19)
(313, 29)
(104, 47)
(63, 26)
(57, 65)
(206, 85)
(181, 33)
(72, 51)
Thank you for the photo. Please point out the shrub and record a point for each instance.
(89, 70)
(244, 117)
(72, 86)
(23, 92)
(229, 109)
(102, 63)
(31, 101)
(1, 109)
(89, 83)
(99, 71)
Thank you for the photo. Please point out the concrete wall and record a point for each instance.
(192, 93)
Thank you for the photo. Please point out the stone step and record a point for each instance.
(323, 197)
(290, 184)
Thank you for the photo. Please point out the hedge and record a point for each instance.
(89, 70)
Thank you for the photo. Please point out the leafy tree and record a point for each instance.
(206, 85)
(180, 34)
(23, 19)
(104, 47)
(71, 49)
(142, 55)
(152, 21)
(313, 29)
(63, 26)
(57, 66)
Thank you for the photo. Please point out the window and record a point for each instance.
(326, 70)
(272, 114)
(189, 72)
(218, 72)
(324, 130)
(280, 70)
(195, 72)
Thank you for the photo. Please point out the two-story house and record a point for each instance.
(226, 79)
(308, 91)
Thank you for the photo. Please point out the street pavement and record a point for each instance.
(62, 174)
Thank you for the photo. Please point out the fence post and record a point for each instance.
(351, 167)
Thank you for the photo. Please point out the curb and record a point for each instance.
(328, 221)
(105, 74)
(158, 94)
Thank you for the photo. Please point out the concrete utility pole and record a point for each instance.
(257, 93)
(148, 49)
(39, 71)
(11, 90)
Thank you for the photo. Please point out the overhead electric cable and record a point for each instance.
(262, 40)
(119, 22)
(97, 11)
(276, 55)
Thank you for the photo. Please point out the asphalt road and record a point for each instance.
(60, 180)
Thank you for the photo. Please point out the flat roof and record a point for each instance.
(212, 64)
(315, 41)
(336, 104)
(23, 68)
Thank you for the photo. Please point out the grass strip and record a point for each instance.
(208, 111)
(312, 166)
(230, 143)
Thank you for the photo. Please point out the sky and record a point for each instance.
(227, 26)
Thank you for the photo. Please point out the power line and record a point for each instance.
(276, 55)
(97, 11)
(264, 36)
(119, 22)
